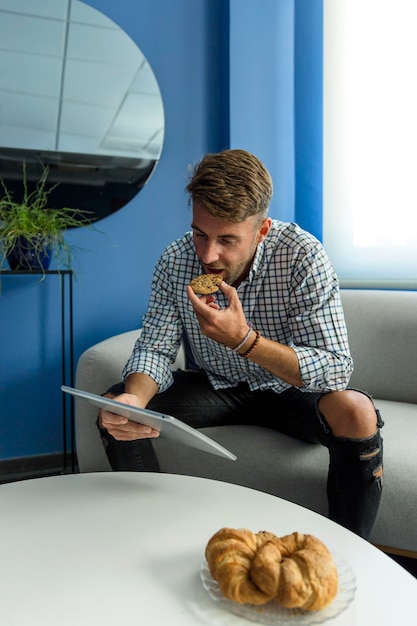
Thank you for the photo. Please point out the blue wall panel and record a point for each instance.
(308, 107)
(262, 93)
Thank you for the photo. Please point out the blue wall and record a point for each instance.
(262, 94)
(187, 44)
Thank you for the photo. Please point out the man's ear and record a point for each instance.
(264, 228)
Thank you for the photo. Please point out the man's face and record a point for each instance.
(227, 248)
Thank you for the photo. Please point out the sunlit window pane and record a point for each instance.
(370, 140)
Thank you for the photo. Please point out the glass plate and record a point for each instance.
(273, 613)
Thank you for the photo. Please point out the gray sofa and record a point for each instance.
(382, 327)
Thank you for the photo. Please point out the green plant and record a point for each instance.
(38, 225)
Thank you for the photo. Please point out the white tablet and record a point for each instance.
(167, 425)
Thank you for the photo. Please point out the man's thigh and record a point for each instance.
(192, 400)
(292, 412)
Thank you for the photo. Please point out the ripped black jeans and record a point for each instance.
(354, 482)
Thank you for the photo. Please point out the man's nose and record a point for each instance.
(210, 253)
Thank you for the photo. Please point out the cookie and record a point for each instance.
(205, 284)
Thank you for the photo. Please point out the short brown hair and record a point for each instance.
(232, 185)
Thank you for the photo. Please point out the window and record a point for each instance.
(370, 141)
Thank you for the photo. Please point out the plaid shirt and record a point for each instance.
(291, 296)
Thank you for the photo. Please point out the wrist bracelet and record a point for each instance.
(253, 346)
(244, 340)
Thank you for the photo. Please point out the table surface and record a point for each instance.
(126, 548)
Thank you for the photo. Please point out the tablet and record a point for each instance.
(167, 425)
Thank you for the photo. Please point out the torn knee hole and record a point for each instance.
(378, 472)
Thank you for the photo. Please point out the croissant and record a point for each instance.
(296, 570)
(229, 555)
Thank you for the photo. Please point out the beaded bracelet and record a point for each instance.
(253, 346)
(244, 340)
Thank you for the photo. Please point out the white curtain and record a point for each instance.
(370, 141)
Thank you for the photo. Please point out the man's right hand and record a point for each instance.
(120, 427)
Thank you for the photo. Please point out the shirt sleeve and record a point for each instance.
(318, 324)
(157, 347)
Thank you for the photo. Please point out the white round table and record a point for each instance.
(126, 548)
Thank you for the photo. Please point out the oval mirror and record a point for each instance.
(76, 96)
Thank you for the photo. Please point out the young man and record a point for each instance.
(270, 347)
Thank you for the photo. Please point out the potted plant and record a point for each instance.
(31, 232)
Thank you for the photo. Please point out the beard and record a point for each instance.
(238, 274)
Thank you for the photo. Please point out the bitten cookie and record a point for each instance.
(205, 284)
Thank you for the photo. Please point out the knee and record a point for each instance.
(349, 414)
